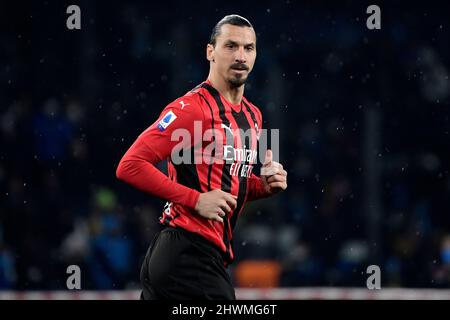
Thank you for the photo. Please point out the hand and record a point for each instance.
(215, 204)
(273, 175)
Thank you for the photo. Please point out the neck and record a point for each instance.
(232, 94)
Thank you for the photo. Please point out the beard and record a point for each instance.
(237, 81)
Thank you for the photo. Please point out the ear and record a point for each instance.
(210, 52)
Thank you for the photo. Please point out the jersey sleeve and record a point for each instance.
(256, 188)
(137, 166)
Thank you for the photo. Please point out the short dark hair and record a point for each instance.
(233, 19)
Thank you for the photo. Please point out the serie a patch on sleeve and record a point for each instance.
(168, 118)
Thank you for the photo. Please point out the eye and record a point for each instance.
(249, 48)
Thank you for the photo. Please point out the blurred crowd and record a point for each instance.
(364, 131)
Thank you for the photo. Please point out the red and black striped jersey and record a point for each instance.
(189, 128)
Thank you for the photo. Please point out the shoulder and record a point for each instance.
(189, 105)
(197, 97)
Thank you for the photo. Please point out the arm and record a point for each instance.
(257, 186)
(137, 166)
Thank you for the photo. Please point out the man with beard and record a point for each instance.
(188, 258)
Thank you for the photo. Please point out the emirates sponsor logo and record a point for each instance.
(224, 145)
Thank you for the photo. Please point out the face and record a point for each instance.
(234, 54)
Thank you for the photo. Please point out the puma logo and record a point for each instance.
(226, 127)
(183, 104)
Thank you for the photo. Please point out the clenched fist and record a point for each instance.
(215, 204)
(273, 175)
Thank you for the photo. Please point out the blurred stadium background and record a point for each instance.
(364, 129)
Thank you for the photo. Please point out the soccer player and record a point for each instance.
(206, 194)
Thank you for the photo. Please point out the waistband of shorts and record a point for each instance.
(198, 239)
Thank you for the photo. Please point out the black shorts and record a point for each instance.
(180, 265)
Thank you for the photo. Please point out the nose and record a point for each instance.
(240, 55)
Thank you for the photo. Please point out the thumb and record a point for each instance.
(268, 158)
